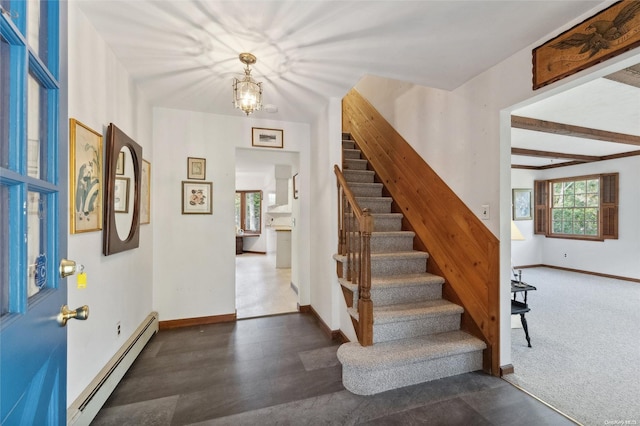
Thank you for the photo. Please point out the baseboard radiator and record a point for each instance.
(86, 406)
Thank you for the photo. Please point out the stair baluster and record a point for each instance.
(358, 254)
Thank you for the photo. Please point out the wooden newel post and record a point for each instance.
(365, 305)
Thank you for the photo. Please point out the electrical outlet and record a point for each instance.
(118, 328)
(484, 212)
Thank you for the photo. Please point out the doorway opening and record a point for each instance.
(578, 322)
(265, 221)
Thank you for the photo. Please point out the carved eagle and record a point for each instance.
(601, 32)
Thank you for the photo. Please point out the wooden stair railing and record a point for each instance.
(358, 254)
(461, 248)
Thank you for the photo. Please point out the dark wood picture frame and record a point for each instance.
(267, 138)
(111, 241)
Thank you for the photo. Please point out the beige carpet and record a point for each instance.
(586, 346)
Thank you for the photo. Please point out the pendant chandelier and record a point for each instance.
(247, 93)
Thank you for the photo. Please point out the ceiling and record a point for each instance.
(183, 54)
(610, 104)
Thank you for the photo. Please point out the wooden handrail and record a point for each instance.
(357, 252)
(461, 248)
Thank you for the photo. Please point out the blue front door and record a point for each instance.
(33, 230)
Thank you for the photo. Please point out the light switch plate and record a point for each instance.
(484, 212)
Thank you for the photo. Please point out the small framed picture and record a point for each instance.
(145, 193)
(268, 138)
(295, 186)
(196, 168)
(120, 164)
(121, 195)
(522, 204)
(196, 197)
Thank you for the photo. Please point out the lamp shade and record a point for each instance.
(516, 235)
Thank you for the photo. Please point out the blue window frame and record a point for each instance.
(29, 98)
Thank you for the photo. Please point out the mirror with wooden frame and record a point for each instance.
(123, 169)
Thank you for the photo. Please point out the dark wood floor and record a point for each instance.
(283, 370)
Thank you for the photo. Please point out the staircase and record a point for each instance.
(416, 333)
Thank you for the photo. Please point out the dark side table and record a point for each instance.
(521, 308)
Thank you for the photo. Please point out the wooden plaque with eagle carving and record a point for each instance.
(609, 33)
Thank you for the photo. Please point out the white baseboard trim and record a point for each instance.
(84, 409)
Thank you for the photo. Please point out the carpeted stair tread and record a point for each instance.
(355, 164)
(407, 351)
(364, 176)
(414, 254)
(411, 311)
(397, 281)
(351, 153)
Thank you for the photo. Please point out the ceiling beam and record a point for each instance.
(531, 153)
(549, 154)
(570, 130)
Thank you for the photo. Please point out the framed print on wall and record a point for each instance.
(522, 204)
(196, 168)
(196, 197)
(85, 178)
(121, 195)
(120, 164)
(145, 193)
(268, 138)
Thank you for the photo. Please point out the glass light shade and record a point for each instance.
(247, 94)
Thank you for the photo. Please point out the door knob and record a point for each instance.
(67, 267)
(82, 313)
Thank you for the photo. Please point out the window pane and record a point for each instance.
(591, 215)
(4, 102)
(37, 242)
(591, 228)
(238, 212)
(568, 188)
(569, 201)
(575, 207)
(4, 250)
(37, 28)
(252, 212)
(36, 129)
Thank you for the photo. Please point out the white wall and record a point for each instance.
(615, 257)
(119, 286)
(194, 258)
(464, 135)
(326, 151)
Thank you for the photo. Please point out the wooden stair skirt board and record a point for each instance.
(416, 332)
(460, 247)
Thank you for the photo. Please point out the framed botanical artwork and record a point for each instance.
(295, 186)
(120, 164)
(522, 200)
(268, 138)
(85, 178)
(145, 193)
(196, 168)
(121, 195)
(196, 197)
